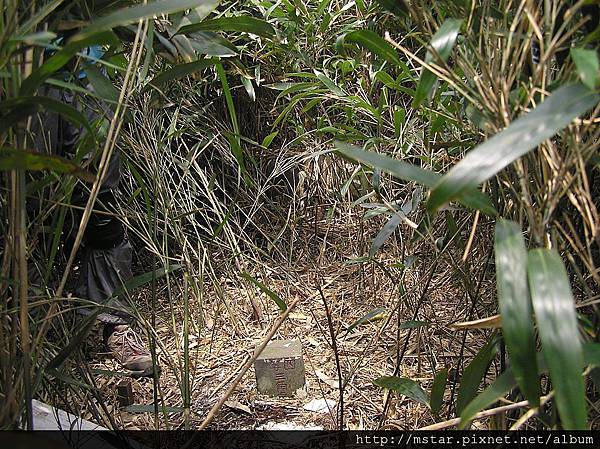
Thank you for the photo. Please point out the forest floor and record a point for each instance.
(232, 330)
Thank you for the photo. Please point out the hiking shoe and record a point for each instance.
(127, 348)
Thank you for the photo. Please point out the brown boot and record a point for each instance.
(126, 347)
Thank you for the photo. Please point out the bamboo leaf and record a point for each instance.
(13, 159)
(179, 71)
(405, 386)
(521, 136)
(271, 294)
(211, 44)
(373, 315)
(442, 42)
(373, 42)
(515, 307)
(588, 67)
(474, 374)
(496, 390)
(557, 327)
(437, 390)
(409, 172)
(198, 14)
(243, 24)
(591, 353)
(385, 233)
(103, 87)
(329, 84)
(143, 279)
(132, 14)
(62, 57)
(397, 7)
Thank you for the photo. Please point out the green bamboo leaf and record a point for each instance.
(328, 82)
(13, 159)
(143, 279)
(179, 71)
(521, 136)
(405, 386)
(211, 44)
(474, 374)
(369, 317)
(271, 294)
(103, 87)
(588, 67)
(132, 14)
(385, 233)
(373, 42)
(242, 24)
(442, 42)
(267, 140)
(557, 327)
(409, 172)
(397, 7)
(198, 14)
(63, 56)
(496, 390)
(591, 353)
(515, 307)
(437, 391)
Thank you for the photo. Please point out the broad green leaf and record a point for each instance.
(515, 307)
(498, 389)
(409, 172)
(249, 88)
(374, 43)
(591, 353)
(588, 67)
(267, 140)
(329, 84)
(13, 159)
(373, 315)
(442, 42)
(242, 24)
(61, 57)
(397, 7)
(437, 390)
(198, 14)
(474, 374)
(103, 87)
(521, 136)
(271, 294)
(132, 14)
(557, 327)
(211, 44)
(179, 71)
(405, 386)
(385, 233)
(143, 279)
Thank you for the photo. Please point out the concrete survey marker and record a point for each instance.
(280, 368)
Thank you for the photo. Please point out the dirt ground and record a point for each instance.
(224, 333)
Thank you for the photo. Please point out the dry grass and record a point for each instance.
(232, 330)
